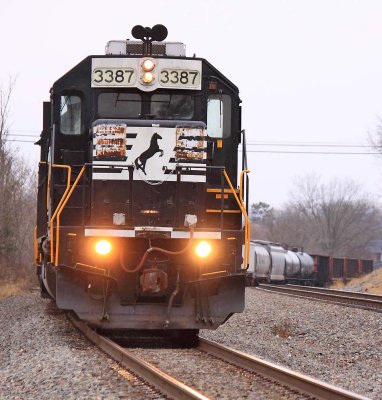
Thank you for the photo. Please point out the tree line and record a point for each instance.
(17, 199)
(335, 219)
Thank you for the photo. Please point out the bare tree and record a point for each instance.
(5, 166)
(262, 217)
(334, 219)
(17, 196)
(289, 228)
(5, 97)
(283, 225)
(342, 220)
(375, 138)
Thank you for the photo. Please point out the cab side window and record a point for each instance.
(219, 116)
(71, 115)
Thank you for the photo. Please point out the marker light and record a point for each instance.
(147, 77)
(203, 249)
(148, 65)
(103, 247)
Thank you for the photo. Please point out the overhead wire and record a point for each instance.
(16, 137)
(322, 146)
(290, 144)
(19, 140)
(313, 152)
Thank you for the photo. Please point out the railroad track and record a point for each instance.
(352, 299)
(272, 381)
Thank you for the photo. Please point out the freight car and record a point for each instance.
(273, 263)
(140, 200)
(330, 269)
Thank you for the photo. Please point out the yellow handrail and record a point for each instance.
(35, 244)
(48, 185)
(60, 211)
(247, 230)
(69, 168)
(242, 173)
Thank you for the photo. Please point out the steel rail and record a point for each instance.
(148, 372)
(367, 302)
(338, 292)
(302, 383)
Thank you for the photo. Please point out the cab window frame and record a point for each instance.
(77, 128)
(146, 108)
(219, 115)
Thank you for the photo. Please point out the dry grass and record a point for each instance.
(15, 281)
(370, 283)
(12, 289)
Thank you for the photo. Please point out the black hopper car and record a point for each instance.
(140, 196)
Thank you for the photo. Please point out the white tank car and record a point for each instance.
(292, 265)
(272, 263)
(266, 263)
(307, 267)
(259, 263)
(277, 273)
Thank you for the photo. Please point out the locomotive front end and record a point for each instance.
(140, 213)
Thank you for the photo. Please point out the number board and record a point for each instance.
(179, 78)
(109, 76)
(126, 72)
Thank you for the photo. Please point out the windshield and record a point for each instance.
(156, 106)
(119, 105)
(172, 106)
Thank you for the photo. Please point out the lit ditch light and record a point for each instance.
(103, 247)
(203, 249)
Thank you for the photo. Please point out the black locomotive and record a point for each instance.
(140, 203)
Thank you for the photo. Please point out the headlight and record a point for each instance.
(103, 247)
(148, 65)
(147, 77)
(203, 249)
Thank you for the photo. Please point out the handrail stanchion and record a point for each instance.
(51, 223)
(247, 224)
(62, 207)
(35, 244)
(247, 231)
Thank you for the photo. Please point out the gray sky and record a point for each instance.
(309, 71)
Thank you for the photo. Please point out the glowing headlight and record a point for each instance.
(203, 249)
(148, 65)
(147, 77)
(103, 247)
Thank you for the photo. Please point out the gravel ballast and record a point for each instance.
(336, 344)
(43, 356)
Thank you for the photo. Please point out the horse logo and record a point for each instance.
(140, 161)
